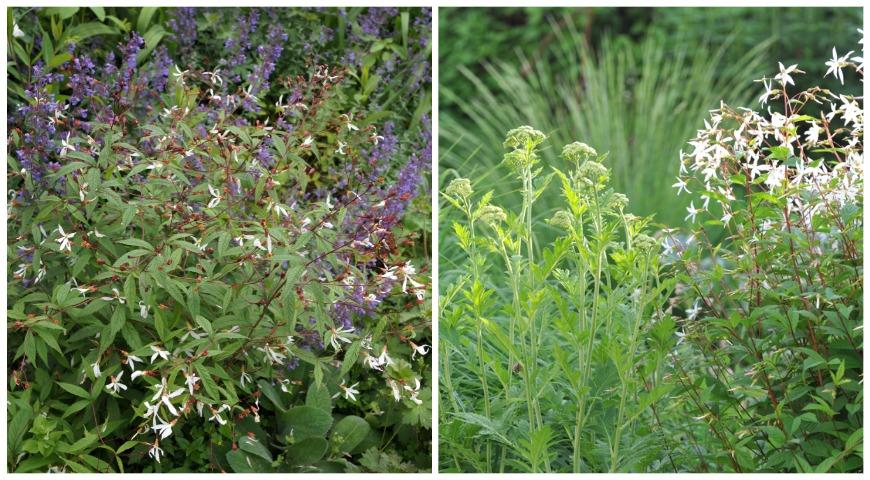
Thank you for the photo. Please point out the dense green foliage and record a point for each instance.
(566, 332)
(732, 344)
(773, 355)
(209, 266)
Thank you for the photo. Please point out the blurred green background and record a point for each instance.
(635, 82)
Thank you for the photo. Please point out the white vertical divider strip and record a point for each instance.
(436, 346)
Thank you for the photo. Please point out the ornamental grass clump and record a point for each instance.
(771, 363)
(197, 284)
(552, 355)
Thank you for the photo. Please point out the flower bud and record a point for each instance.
(645, 242)
(524, 137)
(578, 152)
(617, 201)
(593, 173)
(562, 219)
(492, 215)
(459, 188)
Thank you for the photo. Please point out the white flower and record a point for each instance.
(414, 392)
(693, 312)
(784, 76)
(348, 118)
(164, 354)
(375, 138)
(131, 361)
(681, 186)
(692, 211)
(166, 396)
(280, 210)
(163, 429)
(40, 274)
(96, 369)
(307, 142)
(245, 378)
(155, 451)
(726, 218)
(65, 239)
(214, 77)
(136, 373)
(115, 385)
(397, 393)
(272, 356)
(65, 145)
(768, 92)
(337, 335)
(419, 349)
(116, 295)
(249, 94)
(383, 358)
(836, 64)
(373, 362)
(407, 270)
(349, 392)
(341, 147)
(152, 411)
(143, 310)
(216, 414)
(812, 134)
(216, 197)
(22, 270)
(284, 384)
(191, 380)
(390, 274)
(16, 31)
(179, 74)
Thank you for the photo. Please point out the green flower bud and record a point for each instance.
(520, 160)
(524, 137)
(593, 173)
(645, 242)
(492, 215)
(562, 219)
(578, 152)
(617, 201)
(460, 188)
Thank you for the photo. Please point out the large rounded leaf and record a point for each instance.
(307, 451)
(305, 422)
(348, 433)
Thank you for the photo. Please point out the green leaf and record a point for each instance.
(350, 358)
(145, 18)
(307, 451)
(305, 421)
(271, 394)
(135, 242)
(243, 462)
(254, 446)
(318, 396)
(70, 167)
(80, 446)
(62, 12)
(348, 433)
(74, 389)
(100, 12)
